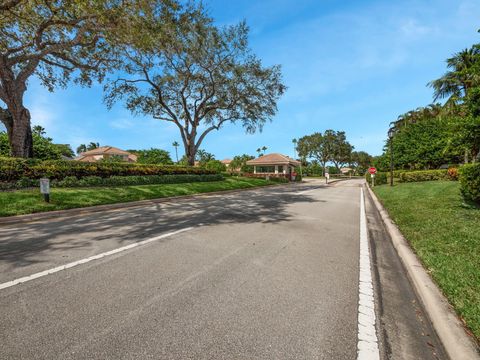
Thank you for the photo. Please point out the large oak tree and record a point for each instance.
(59, 40)
(205, 77)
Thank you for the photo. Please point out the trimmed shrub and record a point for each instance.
(380, 178)
(90, 181)
(426, 175)
(134, 180)
(215, 165)
(469, 176)
(12, 169)
(279, 179)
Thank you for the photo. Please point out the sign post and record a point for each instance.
(372, 172)
(45, 189)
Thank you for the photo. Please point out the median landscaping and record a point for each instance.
(443, 229)
(30, 201)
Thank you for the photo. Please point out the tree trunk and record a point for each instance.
(21, 142)
(190, 152)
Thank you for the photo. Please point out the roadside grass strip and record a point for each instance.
(86, 260)
(367, 347)
(444, 232)
(23, 202)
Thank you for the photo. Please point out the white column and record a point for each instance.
(276, 169)
(254, 169)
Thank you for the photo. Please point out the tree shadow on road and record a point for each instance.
(32, 243)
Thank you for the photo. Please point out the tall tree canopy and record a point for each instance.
(57, 41)
(331, 146)
(206, 76)
(461, 76)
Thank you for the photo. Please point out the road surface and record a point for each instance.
(270, 273)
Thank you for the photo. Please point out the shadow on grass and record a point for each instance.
(26, 244)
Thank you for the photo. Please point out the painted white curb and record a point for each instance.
(450, 330)
(367, 346)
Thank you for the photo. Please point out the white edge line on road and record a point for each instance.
(367, 346)
(86, 260)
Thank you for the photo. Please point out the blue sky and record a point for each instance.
(349, 65)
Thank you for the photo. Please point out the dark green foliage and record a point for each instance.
(469, 176)
(424, 145)
(153, 156)
(12, 169)
(239, 162)
(427, 175)
(313, 169)
(43, 147)
(380, 178)
(279, 179)
(361, 161)
(89, 181)
(215, 165)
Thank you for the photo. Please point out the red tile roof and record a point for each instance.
(274, 159)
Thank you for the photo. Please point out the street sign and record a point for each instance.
(45, 189)
(44, 186)
(372, 171)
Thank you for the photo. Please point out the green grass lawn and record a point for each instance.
(444, 231)
(31, 201)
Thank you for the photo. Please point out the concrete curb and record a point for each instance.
(457, 343)
(18, 219)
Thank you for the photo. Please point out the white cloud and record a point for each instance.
(122, 123)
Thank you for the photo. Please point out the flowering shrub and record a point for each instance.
(13, 169)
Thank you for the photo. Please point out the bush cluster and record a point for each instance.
(14, 169)
(469, 176)
(89, 181)
(279, 179)
(426, 175)
(380, 178)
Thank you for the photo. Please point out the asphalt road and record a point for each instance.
(263, 274)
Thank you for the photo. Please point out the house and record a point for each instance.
(346, 170)
(275, 165)
(226, 162)
(105, 152)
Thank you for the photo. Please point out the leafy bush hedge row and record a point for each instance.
(415, 176)
(89, 181)
(13, 169)
(424, 175)
(469, 176)
(380, 178)
(280, 179)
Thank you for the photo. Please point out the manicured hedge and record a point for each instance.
(380, 178)
(426, 175)
(469, 176)
(13, 169)
(89, 181)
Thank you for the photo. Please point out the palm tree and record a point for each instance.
(93, 145)
(176, 145)
(294, 141)
(456, 82)
(263, 149)
(81, 148)
(259, 150)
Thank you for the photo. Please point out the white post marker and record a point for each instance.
(45, 189)
(367, 346)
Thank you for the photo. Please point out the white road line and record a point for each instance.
(86, 260)
(367, 346)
